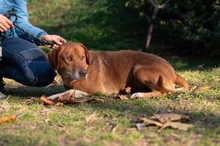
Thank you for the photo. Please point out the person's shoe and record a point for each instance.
(2, 85)
(2, 96)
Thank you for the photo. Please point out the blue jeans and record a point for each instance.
(25, 63)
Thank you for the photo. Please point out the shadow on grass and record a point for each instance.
(132, 109)
(26, 92)
(193, 64)
(136, 108)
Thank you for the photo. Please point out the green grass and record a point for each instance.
(92, 123)
(97, 24)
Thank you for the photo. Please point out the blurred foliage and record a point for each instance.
(99, 24)
(190, 27)
(183, 28)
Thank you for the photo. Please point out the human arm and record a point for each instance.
(29, 32)
(38, 36)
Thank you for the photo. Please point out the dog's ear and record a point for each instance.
(52, 57)
(87, 54)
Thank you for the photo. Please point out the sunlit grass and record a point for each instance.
(92, 123)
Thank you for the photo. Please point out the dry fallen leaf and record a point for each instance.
(150, 122)
(169, 117)
(68, 99)
(61, 100)
(176, 125)
(163, 121)
(198, 88)
(11, 118)
(47, 101)
(192, 89)
(202, 88)
(59, 104)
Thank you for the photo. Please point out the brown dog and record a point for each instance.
(88, 72)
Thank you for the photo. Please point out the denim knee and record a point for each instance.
(25, 63)
(43, 76)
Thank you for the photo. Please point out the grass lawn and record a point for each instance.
(112, 122)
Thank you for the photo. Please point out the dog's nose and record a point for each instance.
(82, 73)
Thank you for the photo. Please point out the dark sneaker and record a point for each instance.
(2, 85)
(2, 96)
(2, 89)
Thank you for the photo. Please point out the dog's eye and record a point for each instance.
(69, 58)
(83, 57)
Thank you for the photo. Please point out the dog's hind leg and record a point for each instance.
(126, 90)
(147, 94)
(157, 89)
(148, 83)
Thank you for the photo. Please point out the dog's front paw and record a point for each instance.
(79, 94)
(136, 95)
(55, 96)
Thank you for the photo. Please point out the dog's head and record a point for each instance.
(71, 60)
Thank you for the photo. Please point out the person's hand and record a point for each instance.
(5, 23)
(52, 41)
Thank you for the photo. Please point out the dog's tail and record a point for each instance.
(182, 82)
(179, 81)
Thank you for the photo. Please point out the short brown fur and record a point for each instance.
(143, 74)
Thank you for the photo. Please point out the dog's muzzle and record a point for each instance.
(83, 73)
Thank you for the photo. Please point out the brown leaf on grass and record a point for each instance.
(150, 122)
(193, 88)
(59, 104)
(63, 99)
(68, 99)
(169, 117)
(47, 101)
(11, 118)
(163, 121)
(201, 88)
(147, 122)
(198, 88)
(176, 125)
